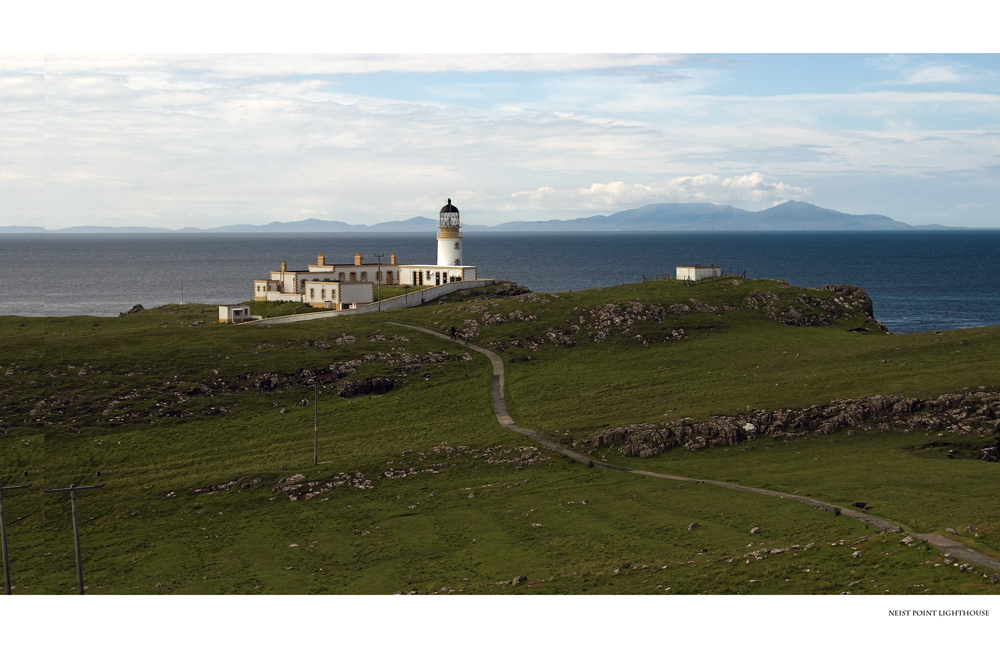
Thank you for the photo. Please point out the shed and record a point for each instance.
(234, 314)
(697, 272)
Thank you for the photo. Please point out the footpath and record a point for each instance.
(947, 545)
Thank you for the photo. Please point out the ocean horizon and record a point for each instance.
(918, 280)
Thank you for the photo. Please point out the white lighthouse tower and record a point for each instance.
(449, 237)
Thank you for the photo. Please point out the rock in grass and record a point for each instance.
(693, 526)
(374, 385)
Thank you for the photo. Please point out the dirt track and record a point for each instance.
(946, 545)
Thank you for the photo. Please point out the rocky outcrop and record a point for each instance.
(806, 309)
(297, 488)
(972, 413)
(135, 310)
(512, 290)
(365, 386)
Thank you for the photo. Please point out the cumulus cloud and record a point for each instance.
(744, 189)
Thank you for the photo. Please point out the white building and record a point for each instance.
(234, 314)
(698, 272)
(342, 286)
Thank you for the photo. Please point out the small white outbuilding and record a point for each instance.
(234, 314)
(697, 272)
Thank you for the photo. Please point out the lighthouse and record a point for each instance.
(449, 237)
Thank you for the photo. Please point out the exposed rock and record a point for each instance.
(693, 526)
(135, 310)
(373, 385)
(805, 309)
(860, 505)
(217, 488)
(992, 453)
(512, 289)
(973, 414)
(297, 488)
(755, 531)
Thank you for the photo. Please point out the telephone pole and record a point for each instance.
(3, 537)
(316, 424)
(76, 528)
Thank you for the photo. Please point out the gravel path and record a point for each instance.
(947, 545)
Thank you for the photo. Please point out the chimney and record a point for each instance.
(284, 266)
(321, 259)
(392, 259)
(357, 258)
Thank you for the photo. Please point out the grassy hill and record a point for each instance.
(204, 438)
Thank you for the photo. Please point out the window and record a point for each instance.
(378, 275)
(364, 276)
(312, 293)
(340, 276)
(354, 276)
(322, 294)
(458, 245)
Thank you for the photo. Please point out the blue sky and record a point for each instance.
(218, 139)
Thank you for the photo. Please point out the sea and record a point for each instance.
(919, 281)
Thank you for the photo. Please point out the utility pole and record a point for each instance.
(3, 536)
(379, 275)
(76, 528)
(316, 424)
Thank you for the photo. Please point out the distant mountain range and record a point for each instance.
(661, 217)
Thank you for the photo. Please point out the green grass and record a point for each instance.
(163, 408)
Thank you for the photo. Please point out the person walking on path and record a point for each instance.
(452, 332)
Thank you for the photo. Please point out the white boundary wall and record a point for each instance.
(411, 300)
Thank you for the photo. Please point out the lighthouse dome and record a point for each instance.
(449, 208)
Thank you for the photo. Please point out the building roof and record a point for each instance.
(449, 208)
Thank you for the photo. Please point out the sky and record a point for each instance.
(206, 140)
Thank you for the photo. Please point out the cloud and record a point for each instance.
(237, 66)
(910, 71)
(749, 188)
